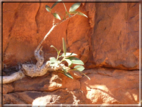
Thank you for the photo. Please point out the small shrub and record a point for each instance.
(73, 62)
(69, 58)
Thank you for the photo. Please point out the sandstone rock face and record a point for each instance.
(104, 39)
(53, 88)
(105, 87)
(108, 38)
(47, 82)
(43, 98)
(28, 25)
(7, 88)
(111, 86)
(115, 35)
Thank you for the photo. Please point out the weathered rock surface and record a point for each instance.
(53, 88)
(107, 38)
(107, 86)
(48, 82)
(28, 25)
(7, 88)
(115, 37)
(60, 96)
(111, 86)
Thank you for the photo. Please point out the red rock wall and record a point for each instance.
(108, 38)
(115, 38)
(25, 25)
(107, 86)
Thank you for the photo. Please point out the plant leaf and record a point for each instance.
(82, 14)
(54, 48)
(79, 68)
(64, 46)
(55, 3)
(59, 52)
(79, 13)
(48, 8)
(74, 7)
(69, 54)
(69, 62)
(53, 59)
(68, 75)
(56, 16)
(54, 63)
(75, 60)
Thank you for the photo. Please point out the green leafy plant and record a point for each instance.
(40, 69)
(72, 10)
(73, 62)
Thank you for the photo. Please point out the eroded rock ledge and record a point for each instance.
(107, 86)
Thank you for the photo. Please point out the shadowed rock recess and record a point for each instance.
(107, 42)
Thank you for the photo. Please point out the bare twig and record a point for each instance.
(15, 76)
(45, 37)
(65, 7)
(38, 69)
(51, 31)
(53, 22)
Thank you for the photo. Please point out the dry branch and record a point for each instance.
(15, 76)
(38, 69)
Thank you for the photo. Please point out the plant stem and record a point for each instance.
(65, 7)
(51, 31)
(62, 59)
(45, 36)
(58, 54)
